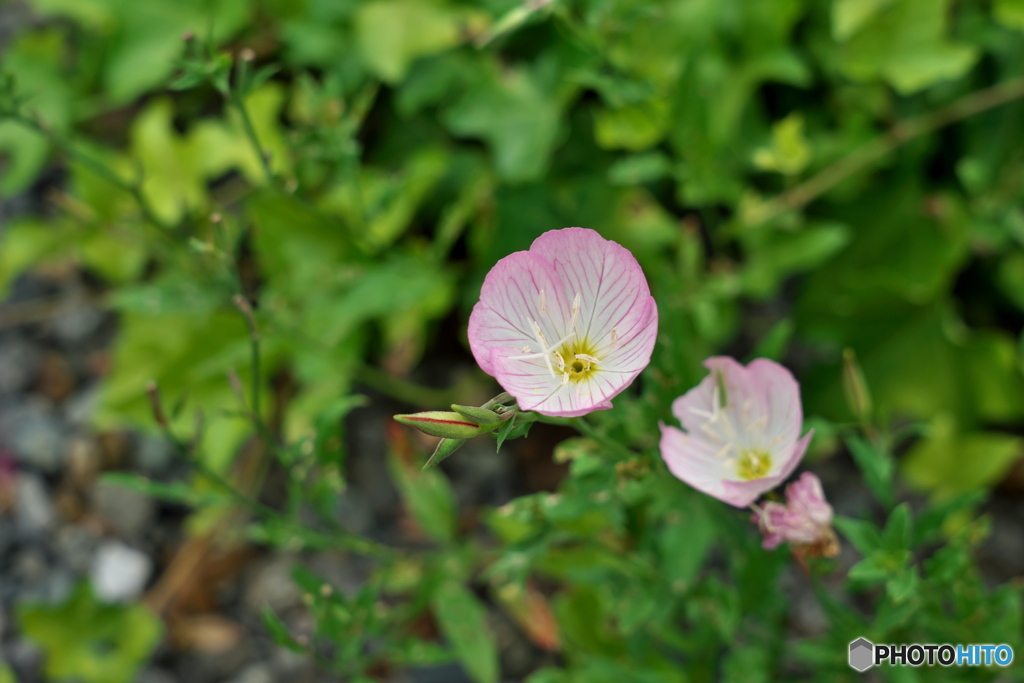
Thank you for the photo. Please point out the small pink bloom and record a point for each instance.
(742, 433)
(805, 519)
(565, 326)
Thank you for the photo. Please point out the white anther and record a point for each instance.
(588, 359)
(575, 310)
(543, 303)
(758, 423)
(565, 378)
(560, 361)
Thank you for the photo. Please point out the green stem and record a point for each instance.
(97, 167)
(254, 140)
(588, 430)
(900, 134)
(403, 390)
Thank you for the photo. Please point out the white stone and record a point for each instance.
(119, 572)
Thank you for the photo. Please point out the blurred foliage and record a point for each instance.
(119, 638)
(797, 179)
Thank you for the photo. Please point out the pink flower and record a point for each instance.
(742, 433)
(805, 519)
(565, 326)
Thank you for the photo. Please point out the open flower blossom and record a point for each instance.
(565, 326)
(742, 433)
(805, 520)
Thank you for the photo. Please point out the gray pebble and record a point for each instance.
(37, 437)
(75, 546)
(77, 321)
(255, 673)
(153, 455)
(129, 512)
(79, 408)
(272, 586)
(19, 364)
(34, 509)
(152, 675)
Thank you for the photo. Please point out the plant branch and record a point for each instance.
(883, 145)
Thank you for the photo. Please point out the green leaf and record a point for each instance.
(429, 496)
(463, 621)
(773, 345)
(279, 632)
(1009, 13)
(23, 245)
(182, 493)
(948, 461)
(877, 466)
(789, 152)
(34, 60)
(901, 41)
(445, 447)
(863, 534)
(904, 585)
(897, 533)
(880, 566)
(391, 34)
(91, 642)
(684, 544)
(639, 168)
(505, 430)
(515, 116)
(635, 127)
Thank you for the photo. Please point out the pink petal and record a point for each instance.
(779, 390)
(608, 278)
(635, 344)
(509, 300)
(531, 383)
(692, 461)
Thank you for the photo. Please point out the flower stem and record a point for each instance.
(588, 430)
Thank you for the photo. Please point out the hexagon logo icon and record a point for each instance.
(862, 654)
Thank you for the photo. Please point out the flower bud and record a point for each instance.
(855, 387)
(444, 424)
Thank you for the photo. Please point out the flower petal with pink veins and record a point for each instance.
(566, 326)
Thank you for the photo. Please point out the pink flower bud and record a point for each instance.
(805, 520)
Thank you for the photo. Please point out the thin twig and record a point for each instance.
(885, 144)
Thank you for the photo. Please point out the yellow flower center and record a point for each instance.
(577, 360)
(753, 464)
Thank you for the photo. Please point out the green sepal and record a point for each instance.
(445, 447)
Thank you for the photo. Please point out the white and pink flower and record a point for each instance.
(567, 325)
(742, 433)
(804, 521)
